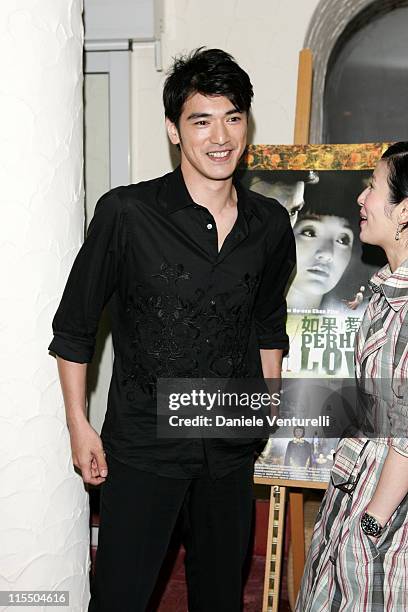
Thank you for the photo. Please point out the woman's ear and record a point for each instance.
(172, 132)
(403, 211)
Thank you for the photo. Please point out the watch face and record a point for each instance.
(370, 525)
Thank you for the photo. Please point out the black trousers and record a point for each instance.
(138, 512)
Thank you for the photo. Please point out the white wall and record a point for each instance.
(265, 37)
(44, 535)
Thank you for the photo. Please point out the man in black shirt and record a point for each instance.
(193, 268)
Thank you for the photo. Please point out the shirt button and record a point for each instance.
(209, 226)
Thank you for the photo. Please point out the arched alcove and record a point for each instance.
(332, 24)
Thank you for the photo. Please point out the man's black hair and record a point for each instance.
(210, 72)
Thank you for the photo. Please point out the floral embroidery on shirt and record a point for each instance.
(172, 274)
(194, 336)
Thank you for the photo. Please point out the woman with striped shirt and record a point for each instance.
(358, 558)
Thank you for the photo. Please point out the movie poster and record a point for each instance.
(327, 297)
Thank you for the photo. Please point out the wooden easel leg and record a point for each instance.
(304, 97)
(274, 549)
(297, 537)
(301, 136)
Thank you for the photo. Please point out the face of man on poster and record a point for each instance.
(288, 188)
(290, 195)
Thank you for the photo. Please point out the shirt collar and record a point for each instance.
(393, 285)
(178, 196)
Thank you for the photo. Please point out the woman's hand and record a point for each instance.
(391, 488)
(373, 539)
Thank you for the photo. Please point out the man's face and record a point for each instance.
(212, 136)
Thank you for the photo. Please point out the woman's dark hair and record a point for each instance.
(396, 157)
(335, 194)
(210, 72)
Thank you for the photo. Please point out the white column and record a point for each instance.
(44, 535)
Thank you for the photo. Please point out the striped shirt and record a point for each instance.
(345, 571)
(381, 362)
(381, 351)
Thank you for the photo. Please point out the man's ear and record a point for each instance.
(172, 132)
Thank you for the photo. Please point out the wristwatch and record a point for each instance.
(370, 525)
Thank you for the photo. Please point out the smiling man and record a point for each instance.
(193, 268)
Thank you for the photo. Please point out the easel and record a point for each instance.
(276, 525)
(278, 487)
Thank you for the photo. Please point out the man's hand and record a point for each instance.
(86, 445)
(87, 452)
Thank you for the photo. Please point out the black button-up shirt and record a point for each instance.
(178, 308)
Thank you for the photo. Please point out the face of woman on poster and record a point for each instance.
(324, 246)
(290, 195)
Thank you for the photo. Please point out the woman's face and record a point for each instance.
(290, 195)
(377, 225)
(323, 247)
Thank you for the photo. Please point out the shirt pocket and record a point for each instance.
(363, 550)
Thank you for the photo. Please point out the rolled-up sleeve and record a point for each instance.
(270, 307)
(399, 427)
(401, 446)
(397, 413)
(91, 282)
